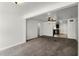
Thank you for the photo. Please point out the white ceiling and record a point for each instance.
(33, 6)
(59, 14)
(31, 9)
(23, 8)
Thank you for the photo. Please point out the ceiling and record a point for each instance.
(36, 10)
(59, 14)
(23, 8)
(33, 6)
(29, 8)
(32, 9)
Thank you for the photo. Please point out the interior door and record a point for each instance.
(72, 26)
(32, 29)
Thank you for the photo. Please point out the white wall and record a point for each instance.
(41, 28)
(48, 28)
(63, 28)
(12, 26)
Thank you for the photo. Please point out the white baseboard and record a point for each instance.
(11, 46)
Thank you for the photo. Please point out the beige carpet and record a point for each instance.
(44, 46)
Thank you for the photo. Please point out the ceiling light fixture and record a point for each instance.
(49, 19)
(18, 2)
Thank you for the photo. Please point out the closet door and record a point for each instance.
(32, 29)
(72, 26)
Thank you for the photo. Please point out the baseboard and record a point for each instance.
(11, 46)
